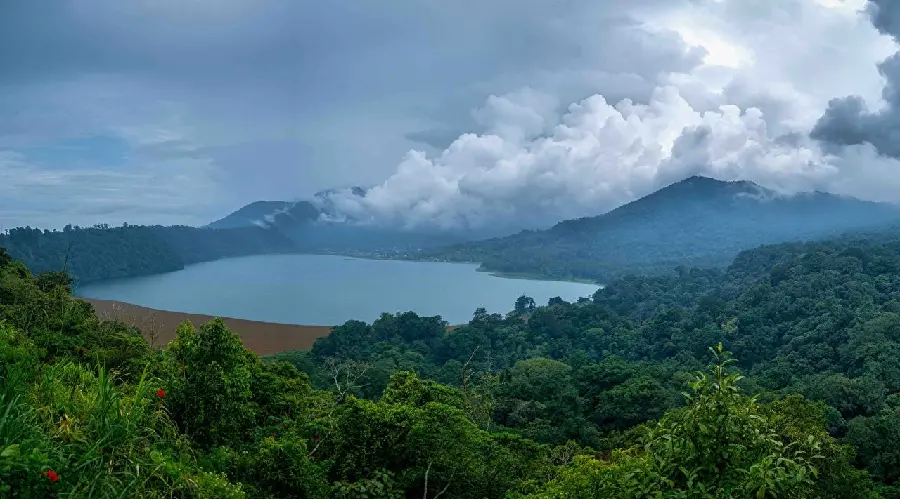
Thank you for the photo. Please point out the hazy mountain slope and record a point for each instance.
(283, 215)
(698, 221)
(268, 213)
(300, 222)
(352, 239)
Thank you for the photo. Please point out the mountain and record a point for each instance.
(698, 221)
(269, 214)
(284, 215)
(301, 222)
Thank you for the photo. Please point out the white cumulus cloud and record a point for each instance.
(743, 114)
(599, 156)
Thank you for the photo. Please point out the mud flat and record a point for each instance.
(264, 338)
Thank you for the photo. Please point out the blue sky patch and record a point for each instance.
(91, 152)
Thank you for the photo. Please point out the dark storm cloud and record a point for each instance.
(248, 99)
(322, 52)
(848, 121)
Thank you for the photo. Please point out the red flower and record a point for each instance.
(315, 437)
(51, 475)
(160, 393)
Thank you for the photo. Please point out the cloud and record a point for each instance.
(849, 120)
(462, 114)
(601, 155)
(743, 114)
(164, 182)
(284, 98)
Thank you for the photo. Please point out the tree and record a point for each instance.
(5, 259)
(209, 376)
(420, 435)
(877, 440)
(555, 301)
(346, 376)
(723, 444)
(524, 304)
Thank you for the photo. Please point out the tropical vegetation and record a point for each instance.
(610, 396)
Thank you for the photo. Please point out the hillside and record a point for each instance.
(696, 222)
(102, 252)
(300, 221)
(606, 397)
(256, 213)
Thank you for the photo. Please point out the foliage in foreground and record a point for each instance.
(821, 320)
(205, 418)
(722, 444)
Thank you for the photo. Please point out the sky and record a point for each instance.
(456, 114)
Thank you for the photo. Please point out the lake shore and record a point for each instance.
(525, 276)
(158, 326)
(263, 338)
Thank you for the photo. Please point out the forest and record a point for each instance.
(778, 376)
(696, 222)
(103, 252)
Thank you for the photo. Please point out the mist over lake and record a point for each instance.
(329, 290)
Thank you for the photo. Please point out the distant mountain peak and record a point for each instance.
(694, 189)
(695, 221)
(701, 179)
(268, 213)
(713, 183)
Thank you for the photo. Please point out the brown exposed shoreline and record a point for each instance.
(264, 338)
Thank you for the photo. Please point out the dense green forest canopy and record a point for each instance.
(104, 252)
(818, 320)
(607, 397)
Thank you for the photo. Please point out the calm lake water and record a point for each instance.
(329, 290)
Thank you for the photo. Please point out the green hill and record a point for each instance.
(696, 222)
(579, 400)
(102, 252)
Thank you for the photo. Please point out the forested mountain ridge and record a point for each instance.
(568, 400)
(695, 222)
(103, 252)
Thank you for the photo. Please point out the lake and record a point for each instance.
(329, 290)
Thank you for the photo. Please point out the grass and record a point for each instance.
(100, 440)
